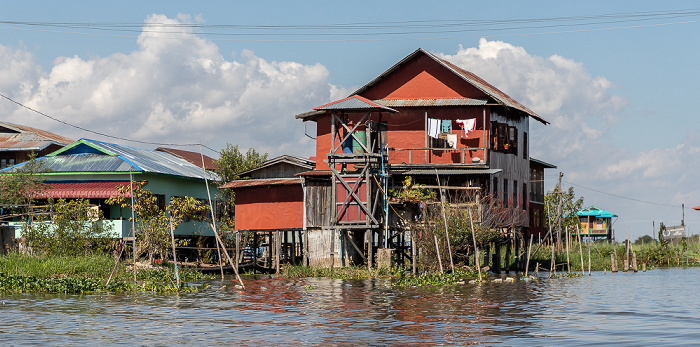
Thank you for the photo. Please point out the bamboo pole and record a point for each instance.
(172, 241)
(568, 262)
(437, 251)
(133, 222)
(213, 221)
(116, 261)
(580, 248)
(221, 267)
(444, 218)
(589, 255)
(476, 249)
(527, 263)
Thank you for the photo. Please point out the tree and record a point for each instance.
(643, 239)
(20, 186)
(232, 162)
(230, 165)
(154, 225)
(570, 205)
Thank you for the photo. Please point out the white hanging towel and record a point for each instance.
(467, 125)
(434, 127)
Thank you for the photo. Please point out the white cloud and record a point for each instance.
(583, 113)
(172, 90)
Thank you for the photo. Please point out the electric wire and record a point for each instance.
(372, 29)
(101, 133)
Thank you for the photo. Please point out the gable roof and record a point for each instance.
(593, 211)
(355, 103)
(90, 156)
(192, 157)
(494, 93)
(15, 137)
(304, 163)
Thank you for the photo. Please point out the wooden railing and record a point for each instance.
(427, 153)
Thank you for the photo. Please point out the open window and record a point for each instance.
(504, 138)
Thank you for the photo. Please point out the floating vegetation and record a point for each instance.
(70, 285)
(434, 279)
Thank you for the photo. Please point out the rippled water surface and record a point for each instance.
(651, 308)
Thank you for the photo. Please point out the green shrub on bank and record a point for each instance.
(87, 274)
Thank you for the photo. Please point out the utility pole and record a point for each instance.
(559, 214)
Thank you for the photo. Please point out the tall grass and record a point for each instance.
(95, 266)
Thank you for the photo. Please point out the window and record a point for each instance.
(515, 194)
(525, 154)
(505, 192)
(504, 138)
(524, 196)
(3, 163)
(160, 201)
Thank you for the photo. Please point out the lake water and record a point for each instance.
(647, 308)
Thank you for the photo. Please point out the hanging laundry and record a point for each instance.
(434, 127)
(467, 125)
(446, 126)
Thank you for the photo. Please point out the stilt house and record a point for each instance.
(423, 118)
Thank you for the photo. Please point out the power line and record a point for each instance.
(622, 197)
(368, 29)
(103, 134)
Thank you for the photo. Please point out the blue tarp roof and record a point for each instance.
(595, 212)
(96, 156)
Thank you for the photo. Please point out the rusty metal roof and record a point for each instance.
(493, 92)
(192, 157)
(15, 137)
(316, 173)
(355, 103)
(85, 190)
(261, 182)
(431, 102)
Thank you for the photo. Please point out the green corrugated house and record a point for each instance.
(93, 170)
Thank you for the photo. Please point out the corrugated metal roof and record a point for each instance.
(192, 157)
(545, 164)
(288, 159)
(316, 173)
(24, 145)
(595, 212)
(449, 172)
(355, 102)
(16, 132)
(261, 182)
(95, 156)
(86, 190)
(471, 78)
(431, 102)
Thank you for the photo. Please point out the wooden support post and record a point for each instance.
(634, 261)
(527, 264)
(332, 253)
(518, 258)
(589, 255)
(580, 248)
(238, 248)
(305, 248)
(370, 252)
(496, 261)
(613, 262)
(278, 249)
(413, 252)
(568, 260)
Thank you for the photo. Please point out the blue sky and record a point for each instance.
(616, 79)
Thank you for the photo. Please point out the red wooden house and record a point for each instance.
(425, 118)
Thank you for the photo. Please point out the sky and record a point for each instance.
(616, 80)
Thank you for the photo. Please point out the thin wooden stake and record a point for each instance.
(476, 249)
(529, 248)
(213, 221)
(444, 218)
(580, 248)
(568, 263)
(172, 240)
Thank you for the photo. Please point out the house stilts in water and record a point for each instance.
(425, 123)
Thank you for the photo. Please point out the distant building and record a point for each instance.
(596, 223)
(18, 141)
